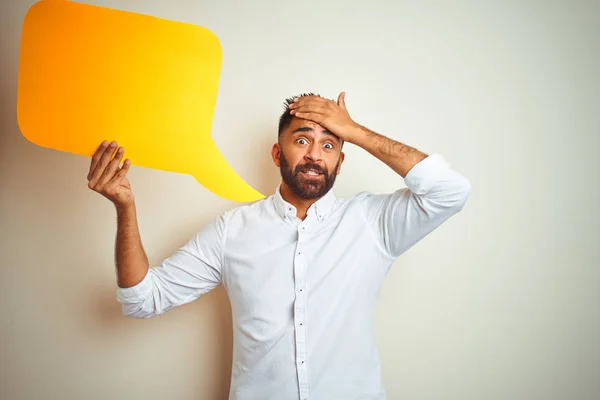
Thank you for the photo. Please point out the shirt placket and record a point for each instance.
(300, 315)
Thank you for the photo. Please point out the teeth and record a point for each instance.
(311, 172)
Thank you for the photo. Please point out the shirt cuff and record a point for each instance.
(135, 293)
(426, 173)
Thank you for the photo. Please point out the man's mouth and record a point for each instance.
(311, 172)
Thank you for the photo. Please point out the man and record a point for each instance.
(302, 268)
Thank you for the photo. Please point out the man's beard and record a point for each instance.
(307, 188)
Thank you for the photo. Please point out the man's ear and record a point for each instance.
(276, 153)
(342, 157)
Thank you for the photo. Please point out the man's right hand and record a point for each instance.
(107, 177)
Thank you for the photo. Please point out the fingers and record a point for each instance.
(312, 116)
(111, 187)
(96, 158)
(103, 157)
(306, 108)
(111, 168)
(316, 110)
(118, 177)
(317, 104)
(311, 100)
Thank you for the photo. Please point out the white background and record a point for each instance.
(501, 302)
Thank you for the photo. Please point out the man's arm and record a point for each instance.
(194, 269)
(435, 192)
(130, 259)
(107, 178)
(398, 156)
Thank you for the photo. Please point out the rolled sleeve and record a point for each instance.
(433, 194)
(425, 174)
(137, 292)
(193, 270)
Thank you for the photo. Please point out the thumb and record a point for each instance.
(341, 101)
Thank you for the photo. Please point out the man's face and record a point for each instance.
(309, 158)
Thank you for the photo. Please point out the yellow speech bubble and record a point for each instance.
(90, 73)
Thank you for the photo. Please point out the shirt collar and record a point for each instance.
(321, 207)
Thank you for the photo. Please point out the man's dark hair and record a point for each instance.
(286, 117)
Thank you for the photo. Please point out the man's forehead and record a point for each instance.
(301, 125)
(305, 125)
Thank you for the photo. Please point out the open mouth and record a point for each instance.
(311, 173)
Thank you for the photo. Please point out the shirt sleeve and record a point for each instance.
(191, 271)
(433, 194)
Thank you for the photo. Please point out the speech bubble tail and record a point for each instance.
(229, 185)
(215, 174)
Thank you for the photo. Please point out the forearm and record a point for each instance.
(131, 260)
(398, 156)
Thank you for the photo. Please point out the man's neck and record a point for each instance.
(302, 205)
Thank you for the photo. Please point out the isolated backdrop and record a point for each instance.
(501, 302)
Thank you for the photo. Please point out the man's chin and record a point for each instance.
(311, 181)
(310, 191)
(316, 182)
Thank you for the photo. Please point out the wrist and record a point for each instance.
(357, 134)
(126, 207)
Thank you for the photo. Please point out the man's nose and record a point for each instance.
(314, 153)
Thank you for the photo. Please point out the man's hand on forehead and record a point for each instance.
(327, 113)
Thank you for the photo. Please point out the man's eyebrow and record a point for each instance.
(303, 129)
(310, 129)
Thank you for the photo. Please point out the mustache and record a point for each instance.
(309, 166)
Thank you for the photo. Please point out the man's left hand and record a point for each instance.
(327, 113)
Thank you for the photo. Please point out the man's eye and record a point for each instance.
(302, 140)
(330, 145)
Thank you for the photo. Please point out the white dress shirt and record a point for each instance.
(303, 292)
